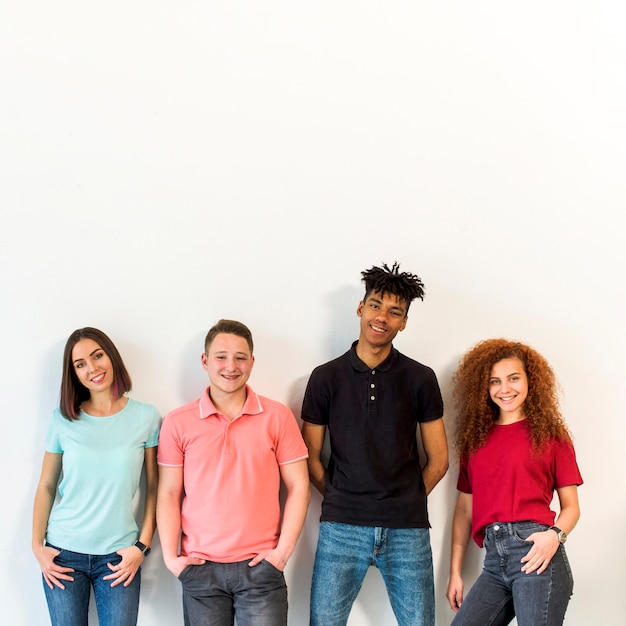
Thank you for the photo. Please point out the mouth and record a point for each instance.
(230, 376)
(98, 379)
(507, 399)
(378, 329)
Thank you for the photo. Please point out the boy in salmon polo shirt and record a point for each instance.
(221, 460)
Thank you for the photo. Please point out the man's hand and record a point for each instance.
(179, 563)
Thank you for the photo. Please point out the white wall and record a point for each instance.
(165, 164)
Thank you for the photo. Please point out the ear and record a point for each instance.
(359, 309)
(204, 361)
(406, 319)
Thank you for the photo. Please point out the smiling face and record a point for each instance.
(92, 366)
(383, 316)
(228, 362)
(508, 388)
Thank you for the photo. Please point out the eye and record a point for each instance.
(494, 381)
(98, 355)
(78, 365)
(373, 306)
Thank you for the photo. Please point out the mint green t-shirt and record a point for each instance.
(102, 462)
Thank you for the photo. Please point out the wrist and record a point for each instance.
(561, 534)
(145, 550)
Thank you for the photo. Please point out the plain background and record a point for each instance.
(166, 164)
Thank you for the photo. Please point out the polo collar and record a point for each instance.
(252, 405)
(358, 365)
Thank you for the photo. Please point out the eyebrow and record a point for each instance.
(379, 301)
(96, 350)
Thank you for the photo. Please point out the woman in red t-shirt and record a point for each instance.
(514, 450)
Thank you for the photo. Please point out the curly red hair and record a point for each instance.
(476, 412)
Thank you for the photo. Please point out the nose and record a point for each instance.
(381, 315)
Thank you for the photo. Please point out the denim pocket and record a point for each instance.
(271, 566)
(522, 534)
(182, 574)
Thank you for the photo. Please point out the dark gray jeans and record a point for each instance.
(214, 593)
(503, 591)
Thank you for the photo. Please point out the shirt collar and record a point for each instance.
(358, 365)
(252, 405)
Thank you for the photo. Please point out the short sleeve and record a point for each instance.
(53, 439)
(154, 428)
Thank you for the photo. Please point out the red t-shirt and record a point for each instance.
(511, 482)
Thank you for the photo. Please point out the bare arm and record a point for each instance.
(545, 544)
(296, 481)
(44, 499)
(132, 558)
(313, 436)
(170, 493)
(461, 532)
(436, 449)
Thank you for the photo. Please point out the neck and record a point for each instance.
(103, 404)
(228, 404)
(372, 356)
(504, 419)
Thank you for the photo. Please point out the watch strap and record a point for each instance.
(143, 547)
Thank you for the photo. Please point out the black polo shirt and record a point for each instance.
(372, 415)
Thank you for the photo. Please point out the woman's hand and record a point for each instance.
(545, 545)
(53, 574)
(125, 570)
(455, 592)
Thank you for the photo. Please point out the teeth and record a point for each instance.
(377, 329)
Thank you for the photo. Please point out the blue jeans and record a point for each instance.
(117, 606)
(503, 591)
(214, 593)
(344, 554)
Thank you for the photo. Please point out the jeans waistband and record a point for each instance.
(509, 528)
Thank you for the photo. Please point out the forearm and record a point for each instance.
(567, 519)
(168, 521)
(317, 474)
(433, 472)
(146, 532)
(461, 532)
(41, 513)
(148, 525)
(294, 516)
(460, 541)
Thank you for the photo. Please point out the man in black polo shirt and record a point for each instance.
(372, 400)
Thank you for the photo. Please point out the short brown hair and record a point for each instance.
(229, 327)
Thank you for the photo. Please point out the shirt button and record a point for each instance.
(496, 528)
(372, 385)
(372, 397)
(373, 372)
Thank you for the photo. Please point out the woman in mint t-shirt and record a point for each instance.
(84, 531)
(515, 451)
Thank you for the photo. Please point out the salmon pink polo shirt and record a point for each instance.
(231, 472)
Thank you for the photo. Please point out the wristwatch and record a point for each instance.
(146, 549)
(561, 534)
